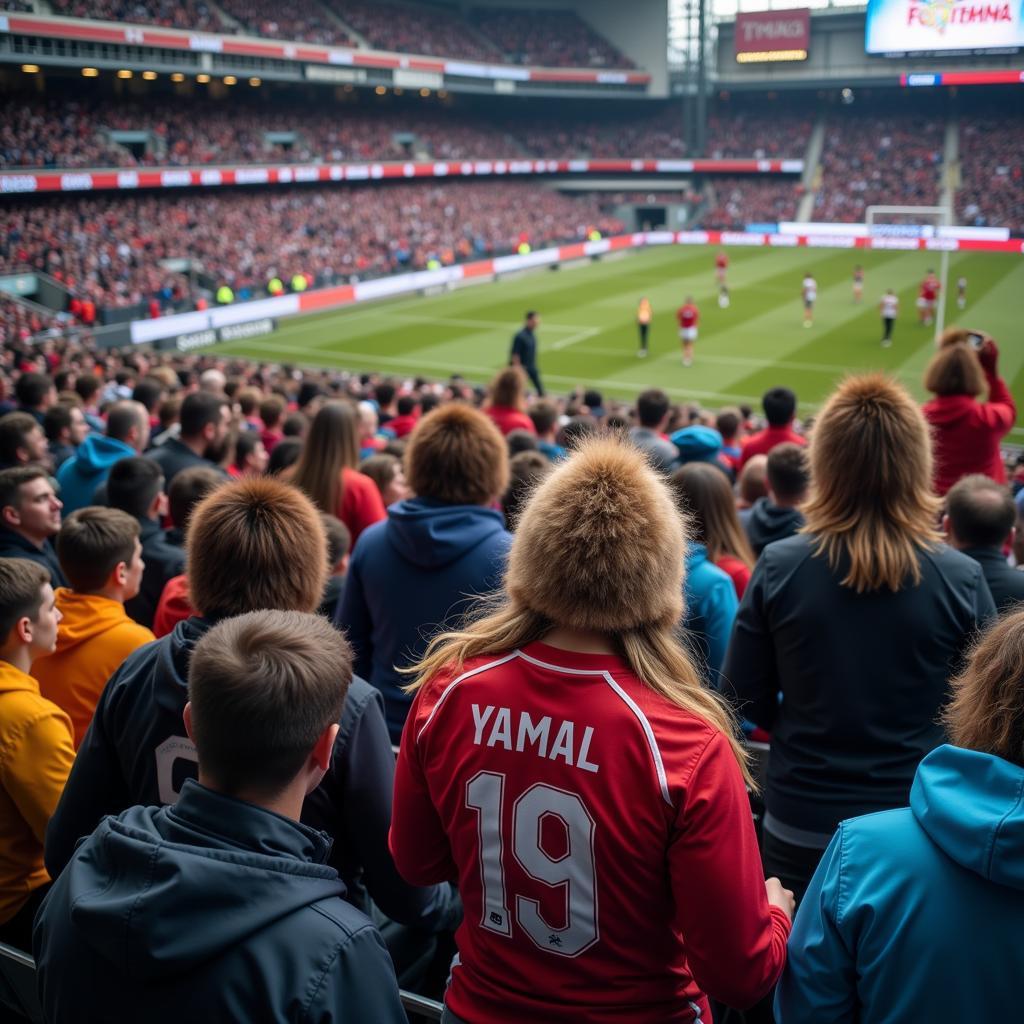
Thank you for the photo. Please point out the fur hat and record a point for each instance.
(600, 545)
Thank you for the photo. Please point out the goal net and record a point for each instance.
(913, 222)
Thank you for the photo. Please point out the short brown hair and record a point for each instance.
(981, 512)
(753, 481)
(92, 542)
(339, 538)
(457, 455)
(987, 710)
(248, 400)
(14, 430)
(789, 474)
(21, 592)
(271, 411)
(187, 489)
(13, 479)
(955, 370)
(252, 544)
(544, 414)
(526, 470)
(263, 688)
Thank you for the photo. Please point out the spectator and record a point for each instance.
(581, 640)
(652, 413)
(385, 394)
(65, 429)
(432, 554)
(544, 415)
(967, 432)
(506, 402)
(271, 414)
(35, 736)
(698, 443)
(521, 441)
(728, 423)
(229, 866)
(919, 878)
(705, 496)
(84, 474)
(251, 456)
(386, 472)
(101, 556)
(408, 414)
(778, 515)
(327, 470)
(751, 486)
(204, 439)
(285, 454)
(855, 621)
(979, 521)
(35, 393)
(22, 441)
(339, 546)
(30, 518)
(779, 409)
(526, 470)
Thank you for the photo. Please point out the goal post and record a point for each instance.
(879, 218)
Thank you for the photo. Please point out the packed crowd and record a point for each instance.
(992, 172)
(112, 249)
(738, 201)
(210, 617)
(307, 23)
(871, 160)
(189, 14)
(767, 135)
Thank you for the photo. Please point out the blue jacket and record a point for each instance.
(419, 568)
(711, 605)
(88, 469)
(917, 914)
(136, 752)
(213, 909)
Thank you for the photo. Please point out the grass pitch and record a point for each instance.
(588, 329)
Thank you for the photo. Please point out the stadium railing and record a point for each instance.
(18, 990)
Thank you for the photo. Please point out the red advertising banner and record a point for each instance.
(772, 35)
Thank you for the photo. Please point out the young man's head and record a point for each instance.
(789, 474)
(272, 411)
(457, 455)
(22, 440)
(385, 394)
(728, 423)
(28, 504)
(100, 553)
(266, 690)
(544, 414)
(753, 481)
(65, 424)
(979, 514)
(136, 486)
(187, 489)
(128, 422)
(779, 407)
(205, 424)
(35, 391)
(252, 544)
(652, 409)
(339, 543)
(532, 318)
(149, 393)
(28, 613)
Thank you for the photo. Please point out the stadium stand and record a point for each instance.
(741, 201)
(190, 14)
(992, 171)
(305, 24)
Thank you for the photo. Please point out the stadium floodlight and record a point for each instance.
(918, 222)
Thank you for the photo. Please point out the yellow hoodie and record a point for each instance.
(35, 758)
(94, 637)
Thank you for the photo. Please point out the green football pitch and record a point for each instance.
(588, 330)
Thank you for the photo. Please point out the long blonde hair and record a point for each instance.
(331, 445)
(871, 484)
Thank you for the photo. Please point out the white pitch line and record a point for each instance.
(573, 339)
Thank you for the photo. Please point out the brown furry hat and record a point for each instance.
(600, 545)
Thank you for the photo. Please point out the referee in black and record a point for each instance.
(524, 350)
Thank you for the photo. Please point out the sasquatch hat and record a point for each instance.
(600, 545)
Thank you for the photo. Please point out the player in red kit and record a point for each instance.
(928, 298)
(688, 316)
(721, 266)
(562, 762)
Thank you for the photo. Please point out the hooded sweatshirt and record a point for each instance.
(80, 476)
(769, 522)
(136, 751)
(419, 568)
(917, 914)
(35, 757)
(214, 909)
(95, 636)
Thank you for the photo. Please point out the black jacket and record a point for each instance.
(213, 909)
(862, 677)
(14, 545)
(1006, 584)
(769, 522)
(173, 456)
(136, 752)
(164, 560)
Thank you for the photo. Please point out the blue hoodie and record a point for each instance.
(711, 606)
(417, 569)
(917, 914)
(88, 469)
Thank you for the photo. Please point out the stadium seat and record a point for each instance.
(420, 1006)
(18, 984)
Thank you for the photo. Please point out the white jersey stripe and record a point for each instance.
(455, 682)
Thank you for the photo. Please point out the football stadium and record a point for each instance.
(636, 387)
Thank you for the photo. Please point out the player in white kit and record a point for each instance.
(810, 294)
(889, 307)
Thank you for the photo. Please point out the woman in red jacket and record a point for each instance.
(506, 404)
(966, 432)
(327, 470)
(562, 762)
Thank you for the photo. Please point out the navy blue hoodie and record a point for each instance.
(213, 909)
(419, 568)
(136, 752)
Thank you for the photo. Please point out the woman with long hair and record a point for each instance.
(707, 496)
(893, 911)
(506, 401)
(855, 621)
(327, 469)
(562, 760)
(967, 431)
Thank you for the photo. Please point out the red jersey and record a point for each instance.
(929, 289)
(765, 440)
(721, 261)
(600, 837)
(688, 315)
